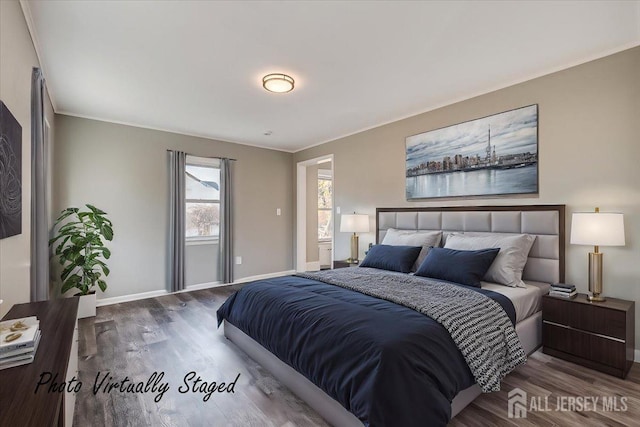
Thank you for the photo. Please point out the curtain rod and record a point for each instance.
(206, 157)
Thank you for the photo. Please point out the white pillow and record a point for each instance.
(426, 239)
(508, 266)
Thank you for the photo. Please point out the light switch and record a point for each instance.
(338, 210)
(238, 260)
(278, 212)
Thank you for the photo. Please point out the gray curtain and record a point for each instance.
(39, 213)
(177, 228)
(226, 222)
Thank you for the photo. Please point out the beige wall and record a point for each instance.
(17, 58)
(123, 170)
(201, 264)
(589, 147)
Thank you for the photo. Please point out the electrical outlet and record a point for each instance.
(238, 260)
(278, 212)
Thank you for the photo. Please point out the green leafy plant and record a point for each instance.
(79, 247)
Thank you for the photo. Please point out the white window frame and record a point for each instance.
(328, 239)
(209, 163)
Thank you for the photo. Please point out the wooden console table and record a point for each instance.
(57, 353)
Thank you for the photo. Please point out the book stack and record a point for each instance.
(19, 339)
(563, 290)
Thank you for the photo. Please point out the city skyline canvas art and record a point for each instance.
(10, 174)
(493, 155)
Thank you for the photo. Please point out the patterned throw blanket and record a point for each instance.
(477, 324)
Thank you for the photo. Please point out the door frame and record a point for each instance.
(300, 261)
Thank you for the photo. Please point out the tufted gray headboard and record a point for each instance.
(546, 222)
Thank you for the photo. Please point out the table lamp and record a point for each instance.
(597, 229)
(354, 223)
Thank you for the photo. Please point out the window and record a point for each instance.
(325, 207)
(202, 195)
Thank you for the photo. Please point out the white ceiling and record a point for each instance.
(195, 67)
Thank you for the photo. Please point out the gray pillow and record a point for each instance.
(508, 266)
(426, 239)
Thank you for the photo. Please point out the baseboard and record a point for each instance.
(203, 286)
(152, 294)
(264, 276)
(133, 297)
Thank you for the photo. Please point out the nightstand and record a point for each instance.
(598, 335)
(343, 264)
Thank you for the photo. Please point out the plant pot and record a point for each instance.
(87, 306)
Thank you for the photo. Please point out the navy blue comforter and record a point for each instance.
(387, 364)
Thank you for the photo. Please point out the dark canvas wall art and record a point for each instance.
(10, 174)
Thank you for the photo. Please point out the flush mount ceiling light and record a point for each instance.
(278, 83)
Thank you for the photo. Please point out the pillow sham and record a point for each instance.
(426, 239)
(392, 258)
(459, 266)
(508, 266)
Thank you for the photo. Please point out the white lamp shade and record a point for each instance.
(597, 229)
(354, 223)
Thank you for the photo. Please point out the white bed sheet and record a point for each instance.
(526, 301)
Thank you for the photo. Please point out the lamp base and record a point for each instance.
(354, 249)
(595, 277)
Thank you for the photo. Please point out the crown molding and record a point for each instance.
(28, 17)
(471, 95)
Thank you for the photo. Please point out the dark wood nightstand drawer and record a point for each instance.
(599, 335)
(585, 345)
(587, 317)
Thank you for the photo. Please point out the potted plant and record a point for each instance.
(81, 252)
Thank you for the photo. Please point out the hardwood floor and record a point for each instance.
(548, 377)
(177, 333)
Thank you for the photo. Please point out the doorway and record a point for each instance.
(315, 214)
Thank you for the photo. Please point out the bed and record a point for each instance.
(310, 325)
